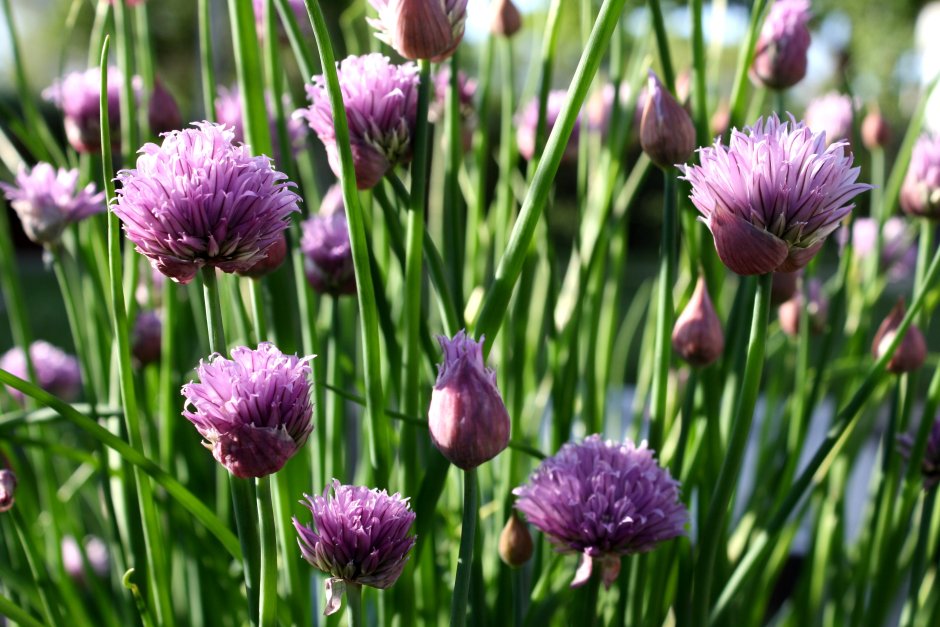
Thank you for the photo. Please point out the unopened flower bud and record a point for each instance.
(277, 252)
(791, 311)
(421, 29)
(697, 337)
(666, 131)
(467, 418)
(327, 250)
(783, 286)
(163, 113)
(505, 18)
(911, 352)
(515, 542)
(7, 488)
(147, 338)
(780, 57)
(875, 130)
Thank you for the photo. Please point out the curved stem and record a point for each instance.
(458, 609)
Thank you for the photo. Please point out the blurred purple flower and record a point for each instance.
(780, 54)
(198, 200)
(147, 337)
(920, 193)
(297, 6)
(359, 536)
(7, 489)
(600, 107)
(603, 499)
(381, 101)
(420, 29)
(527, 123)
(790, 312)
(831, 114)
(47, 200)
(898, 246)
(254, 409)
(327, 251)
(228, 111)
(930, 465)
(95, 550)
(772, 196)
(466, 90)
(57, 372)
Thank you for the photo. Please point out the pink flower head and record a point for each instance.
(772, 196)
(327, 251)
(920, 193)
(420, 29)
(527, 125)
(47, 200)
(359, 536)
(228, 111)
(831, 114)
(199, 200)
(381, 102)
(57, 372)
(603, 499)
(253, 409)
(780, 54)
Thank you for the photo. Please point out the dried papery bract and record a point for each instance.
(697, 336)
(515, 542)
(57, 372)
(666, 130)
(602, 500)
(911, 352)
(359, 536)
(772, 196)
(780, 56)
(421, 29)
(920, 192)
(505, 19)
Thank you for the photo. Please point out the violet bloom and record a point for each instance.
(96, 551)
(898, 245)
(328, 261)
(920, 193)
(831, 114)
(420, 29)
(603, 499)
(47, 200)
(7, 489)
(930, 465)
(772, 196)
(381, 101)
(253, 410)
(600, 107)
(57, 372)
(527, 123)
(147, 337)
(780, 55)
(200, 201)
(79, 96)
(228, 111)
(359, 537)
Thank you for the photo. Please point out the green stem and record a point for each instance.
(458, 608)
(15, 613)
(688, 413)
(920, 556)
(268, 603)
(699, 91)
(712, 537)
(205, 59)
(129, 134)
(354, 603)
(334, 409)
(250, 79)
(378, 428)
(13, 294)
(664, 310)
(662, 44)
(37, 569)
(745, 58)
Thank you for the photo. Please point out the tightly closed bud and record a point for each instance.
(791, 311)
(7, 488)
(911, 352)
(783, 286)
(328, 261)
(666, 131)
(506, 19)
(147, 337)
(875, 130)
(468, 421)
(780, 54)
(277, 252)
(697, 336)
(421, 29)
(515, 542)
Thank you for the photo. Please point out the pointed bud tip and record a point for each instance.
(505, 19)
(697, 336)
(515, 542)
(667, 134)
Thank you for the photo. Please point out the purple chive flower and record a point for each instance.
(467, 418)
(7, 489)
(228, 112)
(78, 95)
(527, 122)
(920, 193)
(95, 550)
(831, 114)
(772, 196)
(898, 245)
(930, 465)
(780, 54)
(47, 200)
(147, 337)
(359, 536)
(57, 372)
(420, 29)
(253, 409)
(381, 102)
(603, 499)
(198, 200)
(327, 251)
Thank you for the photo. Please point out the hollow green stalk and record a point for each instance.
(40, 574)
(354, 604)
(458, 608)
(15, 613)
(205, 59)
(920, 557)
(268, 595)
(745, 58)
(250, 79)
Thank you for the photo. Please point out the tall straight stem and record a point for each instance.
(354, 602)
(712, 537)
(920, 556)
(458, 609)
(664, 310)
(268, 603)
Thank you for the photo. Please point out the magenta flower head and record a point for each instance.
(780, 54)
(772, 196)
(359, 536)
(228, 112)
(7, 489)
(831, 114)
(381, 102)
(47, 200)
(467, 418)
(57, 372)
(527, 124)
(920, 193)
(603, 499)
(420, 29)
(147, 337)
(328, 261)
(253, 409)
(199, 200)
(930, 465)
